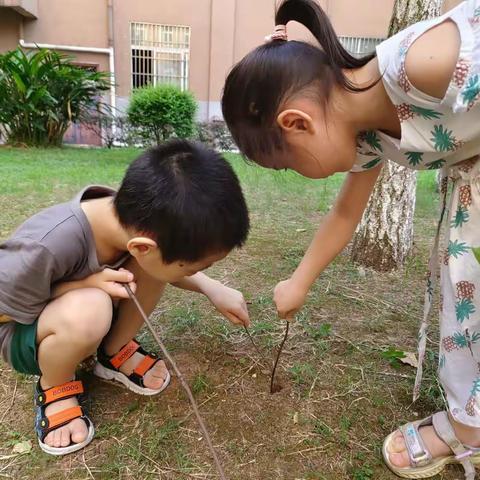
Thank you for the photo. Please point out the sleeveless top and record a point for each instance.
(435, 133)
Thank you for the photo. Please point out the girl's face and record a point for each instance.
(319, 143)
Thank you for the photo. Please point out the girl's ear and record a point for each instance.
(295, 121)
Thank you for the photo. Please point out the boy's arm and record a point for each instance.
(61, 288)
(109, 280)
(229, 302)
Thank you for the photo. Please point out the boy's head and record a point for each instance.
(183, 207)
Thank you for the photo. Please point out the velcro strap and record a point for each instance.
(417, 452)
(124, 354)
(64, 416)
(444, 429)
(69, 389)
(145, 365)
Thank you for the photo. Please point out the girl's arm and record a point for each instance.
(199, 283)
(227, 301)
(331, 238)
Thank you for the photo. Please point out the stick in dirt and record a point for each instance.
(182, 381)
(275, 388)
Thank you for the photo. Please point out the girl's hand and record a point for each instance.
(289, 298)
(230, 303)
(112, 281)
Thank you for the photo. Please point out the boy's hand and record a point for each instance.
(230, 303)
(112, 281)
(289, 299)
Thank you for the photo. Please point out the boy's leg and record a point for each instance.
(70, 329)
(129, 321)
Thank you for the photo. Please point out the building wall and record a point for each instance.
(222, 32)
(364, 18)
(69, 22)
(193, 13)
(9, 29)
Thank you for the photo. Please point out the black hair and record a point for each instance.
(259, 84)
(187, 197)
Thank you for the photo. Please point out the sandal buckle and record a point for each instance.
(420, 459)
(463, 455)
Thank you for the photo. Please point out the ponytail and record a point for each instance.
(311, 15)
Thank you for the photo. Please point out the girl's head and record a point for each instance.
(280, 101)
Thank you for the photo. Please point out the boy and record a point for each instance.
(179, 209)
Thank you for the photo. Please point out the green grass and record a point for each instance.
(341, 397)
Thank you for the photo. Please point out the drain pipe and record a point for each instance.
(73, 48)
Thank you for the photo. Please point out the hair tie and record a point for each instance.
(280, 33)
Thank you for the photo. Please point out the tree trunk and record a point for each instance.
(384, 237)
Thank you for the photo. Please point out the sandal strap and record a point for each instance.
(66, 390)
(124, 354)
(145, 365)
(63, 417)
(418, 453)
(444, 430)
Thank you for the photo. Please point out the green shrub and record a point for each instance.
(162, 112)
(42, 93)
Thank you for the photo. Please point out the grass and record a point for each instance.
(343, 389)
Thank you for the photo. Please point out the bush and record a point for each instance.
(162, 112)
(216, 135)
(41, 93)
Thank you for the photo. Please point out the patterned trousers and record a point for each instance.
(458, 264)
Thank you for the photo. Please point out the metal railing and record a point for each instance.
(360, 46)
(160, 54)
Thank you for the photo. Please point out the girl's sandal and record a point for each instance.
(108, 368)
(44, 423)
(422, 465)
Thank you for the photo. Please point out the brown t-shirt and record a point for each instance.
(55, 245)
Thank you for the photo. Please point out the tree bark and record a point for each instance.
(384, 237)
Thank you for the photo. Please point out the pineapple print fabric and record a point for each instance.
(459, 366)
(443, 134)
(435, 132)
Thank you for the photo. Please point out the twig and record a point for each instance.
(182, 381)
(313, 449)
(11, 403)
(272, 380)
(255, 346)
(86, 466)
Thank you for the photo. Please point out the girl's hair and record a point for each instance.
(260, 83)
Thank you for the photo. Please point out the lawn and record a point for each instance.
(342, 393)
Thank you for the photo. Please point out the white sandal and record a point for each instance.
(422, 465)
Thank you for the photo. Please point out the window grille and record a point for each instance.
(160, 54)
(360, 46)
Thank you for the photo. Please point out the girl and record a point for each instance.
(319, 111)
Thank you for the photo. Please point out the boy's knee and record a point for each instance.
(89, 315)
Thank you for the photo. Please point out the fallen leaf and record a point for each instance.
(22, 447)
(409, 359)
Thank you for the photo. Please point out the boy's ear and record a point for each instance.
(141, 246)
(295, 121)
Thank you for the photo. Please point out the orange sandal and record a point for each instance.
(44, 424)
(108, 368)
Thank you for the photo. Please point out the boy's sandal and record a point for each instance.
(422, 465)
(108, 368)
(44, 423)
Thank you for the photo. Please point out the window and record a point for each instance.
(360, 46)
(160, 54)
